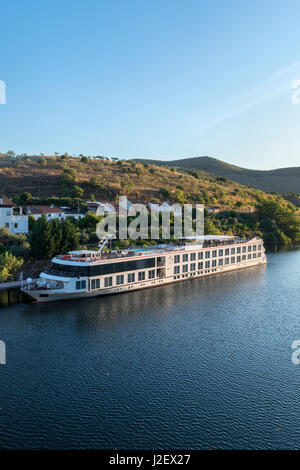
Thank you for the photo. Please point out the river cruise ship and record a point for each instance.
(86, 273)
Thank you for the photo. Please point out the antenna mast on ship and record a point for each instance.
(102, 243)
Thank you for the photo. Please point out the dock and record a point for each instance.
(10, 285)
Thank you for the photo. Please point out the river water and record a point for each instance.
(197, 365)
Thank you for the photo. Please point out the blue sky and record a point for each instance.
(154, 79)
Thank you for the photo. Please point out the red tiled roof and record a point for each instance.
(44, 210)
(5, 202)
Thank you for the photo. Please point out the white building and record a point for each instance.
(68, 213)
(14, 223)
(51, 212)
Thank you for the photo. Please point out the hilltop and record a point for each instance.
(282, 180)
(104, 179)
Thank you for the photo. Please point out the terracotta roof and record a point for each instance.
(5, 202)
(43, 210)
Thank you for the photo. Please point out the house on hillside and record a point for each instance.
(51, 212)
(69, 213)
(93, 205)
(15, 223)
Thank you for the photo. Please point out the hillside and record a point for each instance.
(103, 179)
(283, 180)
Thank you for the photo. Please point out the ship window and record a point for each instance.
(142, 276)
(108, 281)
(120, 279)
(177, 259)
(95, 284)
(200, 255)
(131, 277)
(193, 256)
(80, 285)
(193, 267)
(122, 266)
(151, 274)
(176, 269)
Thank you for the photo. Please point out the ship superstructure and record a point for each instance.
(86, 273)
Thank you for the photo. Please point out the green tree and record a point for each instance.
(165, 192)
(56, 232)
(41, 240)
(180, 196)
(9, 264)
(70, 236)
(25, 198)
(279, 225)
(43, 162)
(77, 191)
(210, 228)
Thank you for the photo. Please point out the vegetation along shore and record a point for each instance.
(71, 184)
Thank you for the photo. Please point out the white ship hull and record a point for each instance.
(49, 295)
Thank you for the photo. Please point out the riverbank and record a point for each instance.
(10, 297)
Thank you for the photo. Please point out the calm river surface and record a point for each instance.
(201, 364)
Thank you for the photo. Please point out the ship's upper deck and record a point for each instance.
(91, 257)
